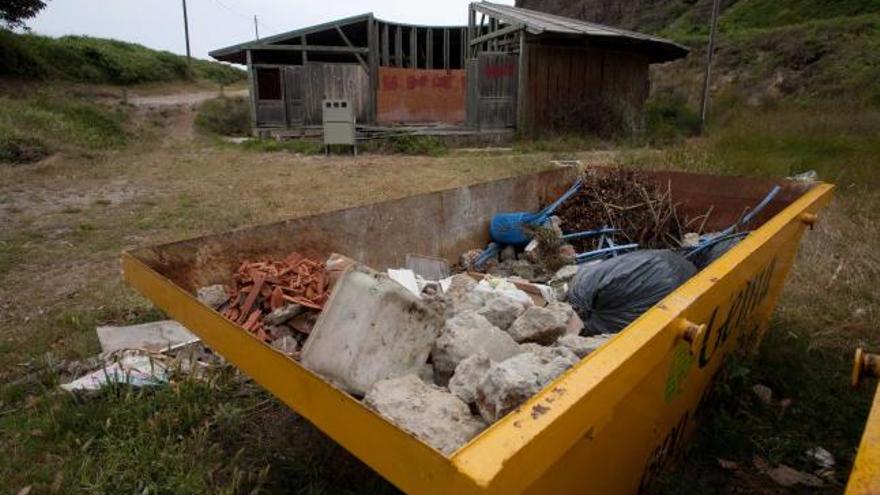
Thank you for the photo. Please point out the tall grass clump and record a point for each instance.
(32, 127)
(225, 116)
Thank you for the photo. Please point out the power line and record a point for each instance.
(244, 16)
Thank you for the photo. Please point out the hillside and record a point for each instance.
(767, 50)
(101, 61)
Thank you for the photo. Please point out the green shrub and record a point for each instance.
(20, 149)
(225, 116)
(669, 119)
(416, 145)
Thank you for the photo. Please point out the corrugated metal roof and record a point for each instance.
(540, 23)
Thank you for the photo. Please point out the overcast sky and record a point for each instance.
(218, 23)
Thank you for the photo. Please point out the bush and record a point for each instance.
(416, 145)
(102, 61)
(225, 116)
(21, 149)
(669, 119)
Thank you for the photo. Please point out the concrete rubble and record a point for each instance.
(542, 325)
(469, 374)
(464, 335)
(432, 414)
(502, 311)
(151, 337)
(584, 346)
(510, 383)
(372, 329)
(213, 296)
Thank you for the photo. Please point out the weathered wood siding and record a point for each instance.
(421, 95)
(494, 90)
(568, 87)
(336, 81)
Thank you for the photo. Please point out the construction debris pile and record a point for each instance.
(641, 212)
(275, 300)
(444, 357)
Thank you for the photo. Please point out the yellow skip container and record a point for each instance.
(609, 425)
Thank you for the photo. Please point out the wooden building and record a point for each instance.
(508, 68)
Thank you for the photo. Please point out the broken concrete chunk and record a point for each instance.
(510, 383)
(564, 275)
(465, 335)
(283, 314)
(551, 353)
(435, 416)
(426, 374)
(153, 337)
(502, 311)
(542, 325)
(371, 329)
(584, 346)
(468, 376)
(213, 296)
(287, 344)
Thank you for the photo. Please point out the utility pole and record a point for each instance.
(257, 28)
(710, 55)
(186, 33)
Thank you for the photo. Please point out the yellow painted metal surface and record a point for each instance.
(865, 477)
(607, 426)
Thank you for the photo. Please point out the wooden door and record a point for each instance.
(496, 90)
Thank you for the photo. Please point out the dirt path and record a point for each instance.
(179, 99)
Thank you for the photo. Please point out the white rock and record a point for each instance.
(468, 376)
(542, 325)
(583, 346)
(510, 383)
(502, 311)
(427, 373)
(435, 416)
(564, 275)
(371, 329)
(551, 353)
(213, 296)
(284, 314)
(465, 335)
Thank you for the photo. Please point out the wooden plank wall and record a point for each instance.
(497, 89)
(336, 81)
(563, 84)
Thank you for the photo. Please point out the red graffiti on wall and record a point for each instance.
(444, 82)
(413, 82)
(389, 83)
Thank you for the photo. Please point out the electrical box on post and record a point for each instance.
(340, 124)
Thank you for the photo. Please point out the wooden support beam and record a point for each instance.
(398, 47)
(429, 49)
(386, 46)
(499, 33)
(373, 42)
(414, 48)
(351, 45)
(252, 85)
(313, 48)
(463, 52)
(446, 49)
(305, 52)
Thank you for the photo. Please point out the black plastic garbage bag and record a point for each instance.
(707, 256)
(612, 294)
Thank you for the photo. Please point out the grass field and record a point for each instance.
(148, 178)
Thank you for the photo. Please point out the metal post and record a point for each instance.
(710, 55)
(186, 33)
(256, 28)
